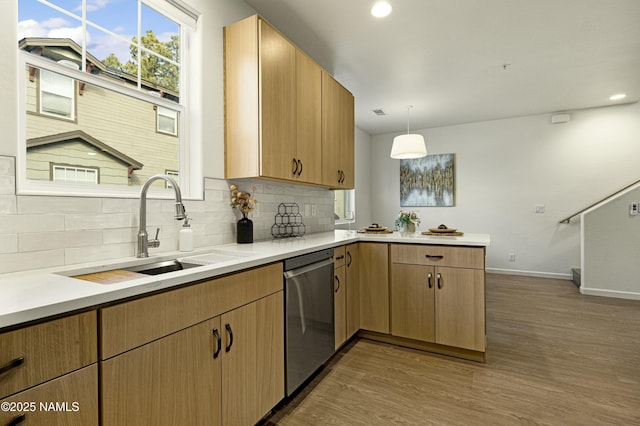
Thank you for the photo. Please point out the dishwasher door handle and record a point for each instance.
(308, 268)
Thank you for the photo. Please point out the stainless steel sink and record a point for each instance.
(161, 267)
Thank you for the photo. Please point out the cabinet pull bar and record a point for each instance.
(228, 327)
(218, 343)
(300, 171)
(433, 256)
(12, 364)
(295, 166)
(439, 279)
(429, 279)
(350, 258)
(17, 420)
(340, 257)
(337, 288)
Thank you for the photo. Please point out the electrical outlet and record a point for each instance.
(634, 209)
(512, 257)
(539, 208)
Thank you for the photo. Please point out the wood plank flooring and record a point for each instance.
(555, 357)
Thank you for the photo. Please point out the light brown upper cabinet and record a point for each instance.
(337, 134)
(273, 110)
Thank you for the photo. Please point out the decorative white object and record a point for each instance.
(185, 239)
(408, 146)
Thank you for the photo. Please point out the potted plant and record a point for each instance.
(407, 221)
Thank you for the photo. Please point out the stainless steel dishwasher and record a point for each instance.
(308, 315)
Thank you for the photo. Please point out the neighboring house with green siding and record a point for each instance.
(78, 132)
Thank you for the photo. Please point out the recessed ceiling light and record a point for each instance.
(381, 9)
(618, 97)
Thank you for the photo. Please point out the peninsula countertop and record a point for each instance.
(33, 295)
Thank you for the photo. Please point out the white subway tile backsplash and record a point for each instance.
(8, 204)
(8, 243)
(13, 262)
(12, 224)
(98, 221)
(101, 252)
(65, 205)
(38, 232)
(53, 240)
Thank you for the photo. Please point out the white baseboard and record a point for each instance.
(538, 274)
(610, 293)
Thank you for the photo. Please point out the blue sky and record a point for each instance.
(36, 19)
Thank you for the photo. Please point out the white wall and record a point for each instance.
(505, 167)
(607, 269)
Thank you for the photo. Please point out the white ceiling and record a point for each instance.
(446, 57)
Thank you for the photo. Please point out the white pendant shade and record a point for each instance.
(408, 146)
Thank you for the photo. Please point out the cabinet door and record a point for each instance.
(337, 134)
(340, 306)
(309, 119)
(253, 360)
(173, 380)
(70, 400)
(412, 301)
(460, 313)
(278, 103)
(353, 290)
(374, 286)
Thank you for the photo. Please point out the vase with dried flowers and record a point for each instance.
(242, 201)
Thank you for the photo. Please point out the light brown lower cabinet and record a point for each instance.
(69, 400)
(352, 279)
(228, 370)
(374, 286)
(439, 304)
(340, 306)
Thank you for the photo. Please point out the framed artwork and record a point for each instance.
(428, 181)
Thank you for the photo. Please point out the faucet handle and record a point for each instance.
(154, 242)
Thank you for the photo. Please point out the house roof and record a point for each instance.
(59, 49)
(86, 138)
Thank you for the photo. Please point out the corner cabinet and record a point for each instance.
(337, 134)
(438, 295)
(279, 104)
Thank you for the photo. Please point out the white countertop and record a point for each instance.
(33, 295)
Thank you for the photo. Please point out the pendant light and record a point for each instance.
(408, 146)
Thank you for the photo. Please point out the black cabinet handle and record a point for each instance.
(295, 166)
(17, 420)
(11, 365)
(350, 258)
(228, 327)
(433, 256)
(300, 171)
(340, 257)
(218, 343)
(429, 276)
(337, 288)
(439, 280)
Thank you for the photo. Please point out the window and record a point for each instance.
(344, 209)
(72, 174)
(56, 94)
(167, 121)
(117, 73)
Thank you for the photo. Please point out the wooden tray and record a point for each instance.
(443, 234)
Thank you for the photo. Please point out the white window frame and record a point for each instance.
(74, 169)
(55, 91)
(349, 205)
(170, 113)
(189, 125)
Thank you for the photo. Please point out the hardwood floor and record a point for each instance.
(555, 357)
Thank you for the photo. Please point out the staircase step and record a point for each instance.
(577, 277)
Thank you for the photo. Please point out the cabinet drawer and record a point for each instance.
(338, 256)
(44, 351)
(132, 324)
(457, 257)
(68, 400)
